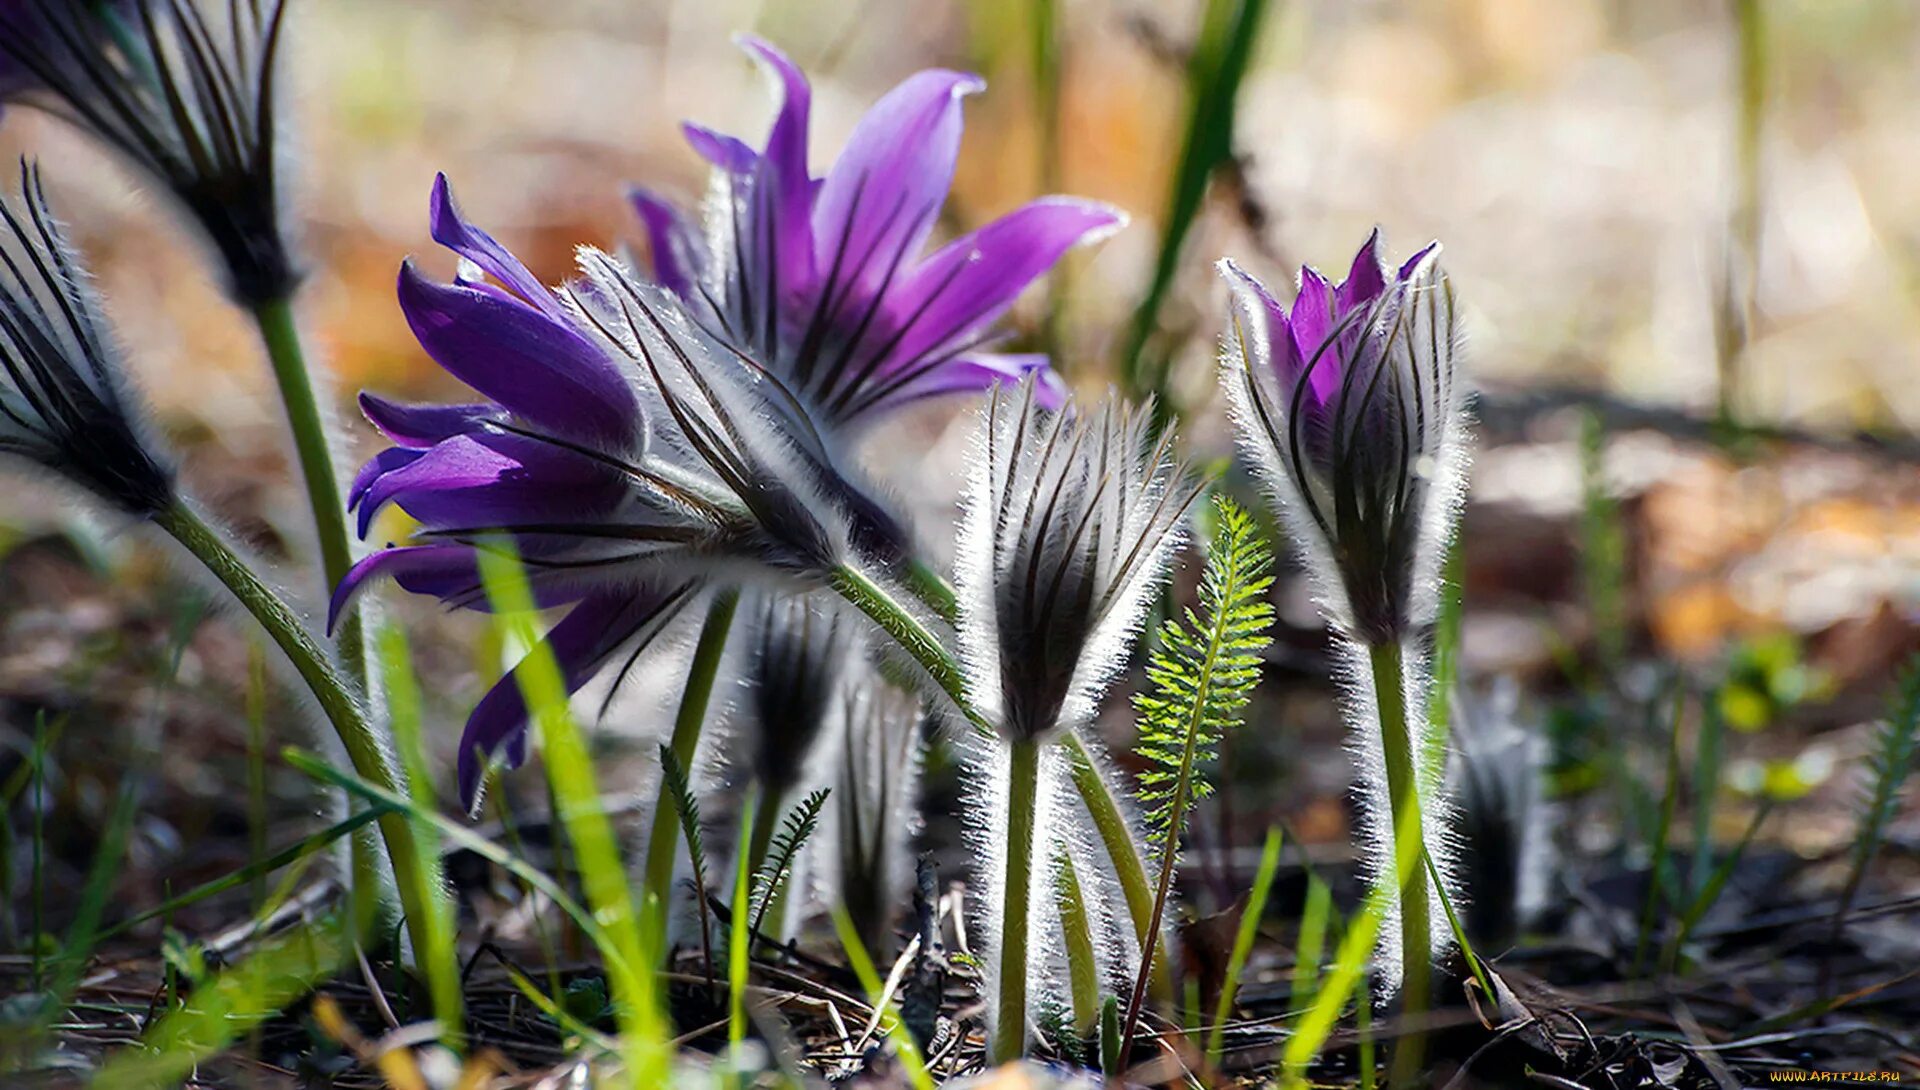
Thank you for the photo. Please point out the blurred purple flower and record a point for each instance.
(627, 455)
(1348, 406)
(823, 279)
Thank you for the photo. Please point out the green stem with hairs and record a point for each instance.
(1403, 793)
(281, 336)
(1010, 1011)
(338, 703)
(1116, 833)
(687, 725)
(1123, 849)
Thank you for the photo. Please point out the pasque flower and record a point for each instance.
(1348, 406)
(628, 454)
(1071, 519)
(186, 95)
(824, 279)
(62, 405)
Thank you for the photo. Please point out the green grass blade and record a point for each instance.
(1250, 917)
(1222, 55)
(739, 937)
(896, 1029)
(1709, 893)
(645, 1041)
(1311, 944)
(440, 961)
(1663, 830)
(221, 1011)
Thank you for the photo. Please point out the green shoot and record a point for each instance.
(687, 808)
(441, 959)
(1710, 890)
(798, 827)
(232, 1004)
(1890, 763)
(903, 1043)
(1083, 971)
(1250, 917)
(1662, 830)
(1202, 674)
(644, 1040)
(738, 936)
(687, 725)
(1222, 55)
(1312, 942)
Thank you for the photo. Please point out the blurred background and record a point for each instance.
(1695, 214)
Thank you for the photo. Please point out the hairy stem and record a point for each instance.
(1416, 944)
(908, 631)
(687, 724)
(337, 702)
(1010, 1022)
(1123, 849)
(281, 336)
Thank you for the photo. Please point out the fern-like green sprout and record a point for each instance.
(797, 828)
(680, 794)
(1200, 679)
(1890, 763)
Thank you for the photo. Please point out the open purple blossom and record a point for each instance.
(628, 456)
(825, 280)
(186, 94)
(1348, 406)
(61, 403)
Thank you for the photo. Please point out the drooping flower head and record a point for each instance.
(627, 454)
(796, 678)
(1348, 406)
(61, 402)
(825, 279)
(1070, 521)
(187, 94)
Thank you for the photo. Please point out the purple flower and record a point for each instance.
(628, 455)
(61, 403)
(187, 96)
(1347, 405)
(825, 280)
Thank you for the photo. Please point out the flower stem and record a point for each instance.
(337, 702)
(1010, 1021)
(282, 339)
(1416, 944)
(1116, 834)
(687, 724)
(908, 631)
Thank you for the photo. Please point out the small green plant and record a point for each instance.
(1889, 764)
(1202, 674)
(686, 807)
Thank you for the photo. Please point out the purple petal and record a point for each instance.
(1312, 319)
(979, 371)
(442, 571)
(538, 367)
(452, 230)
(671, 241)
(972, 280)
(381, 464)
(583, 642)
(1413, 263)
(1262, 319)
(782, 187)
(725, 152)
(493, 481)
(421, 426)
(1365, 281)
(884, 192)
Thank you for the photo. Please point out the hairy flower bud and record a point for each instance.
(62, 405)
